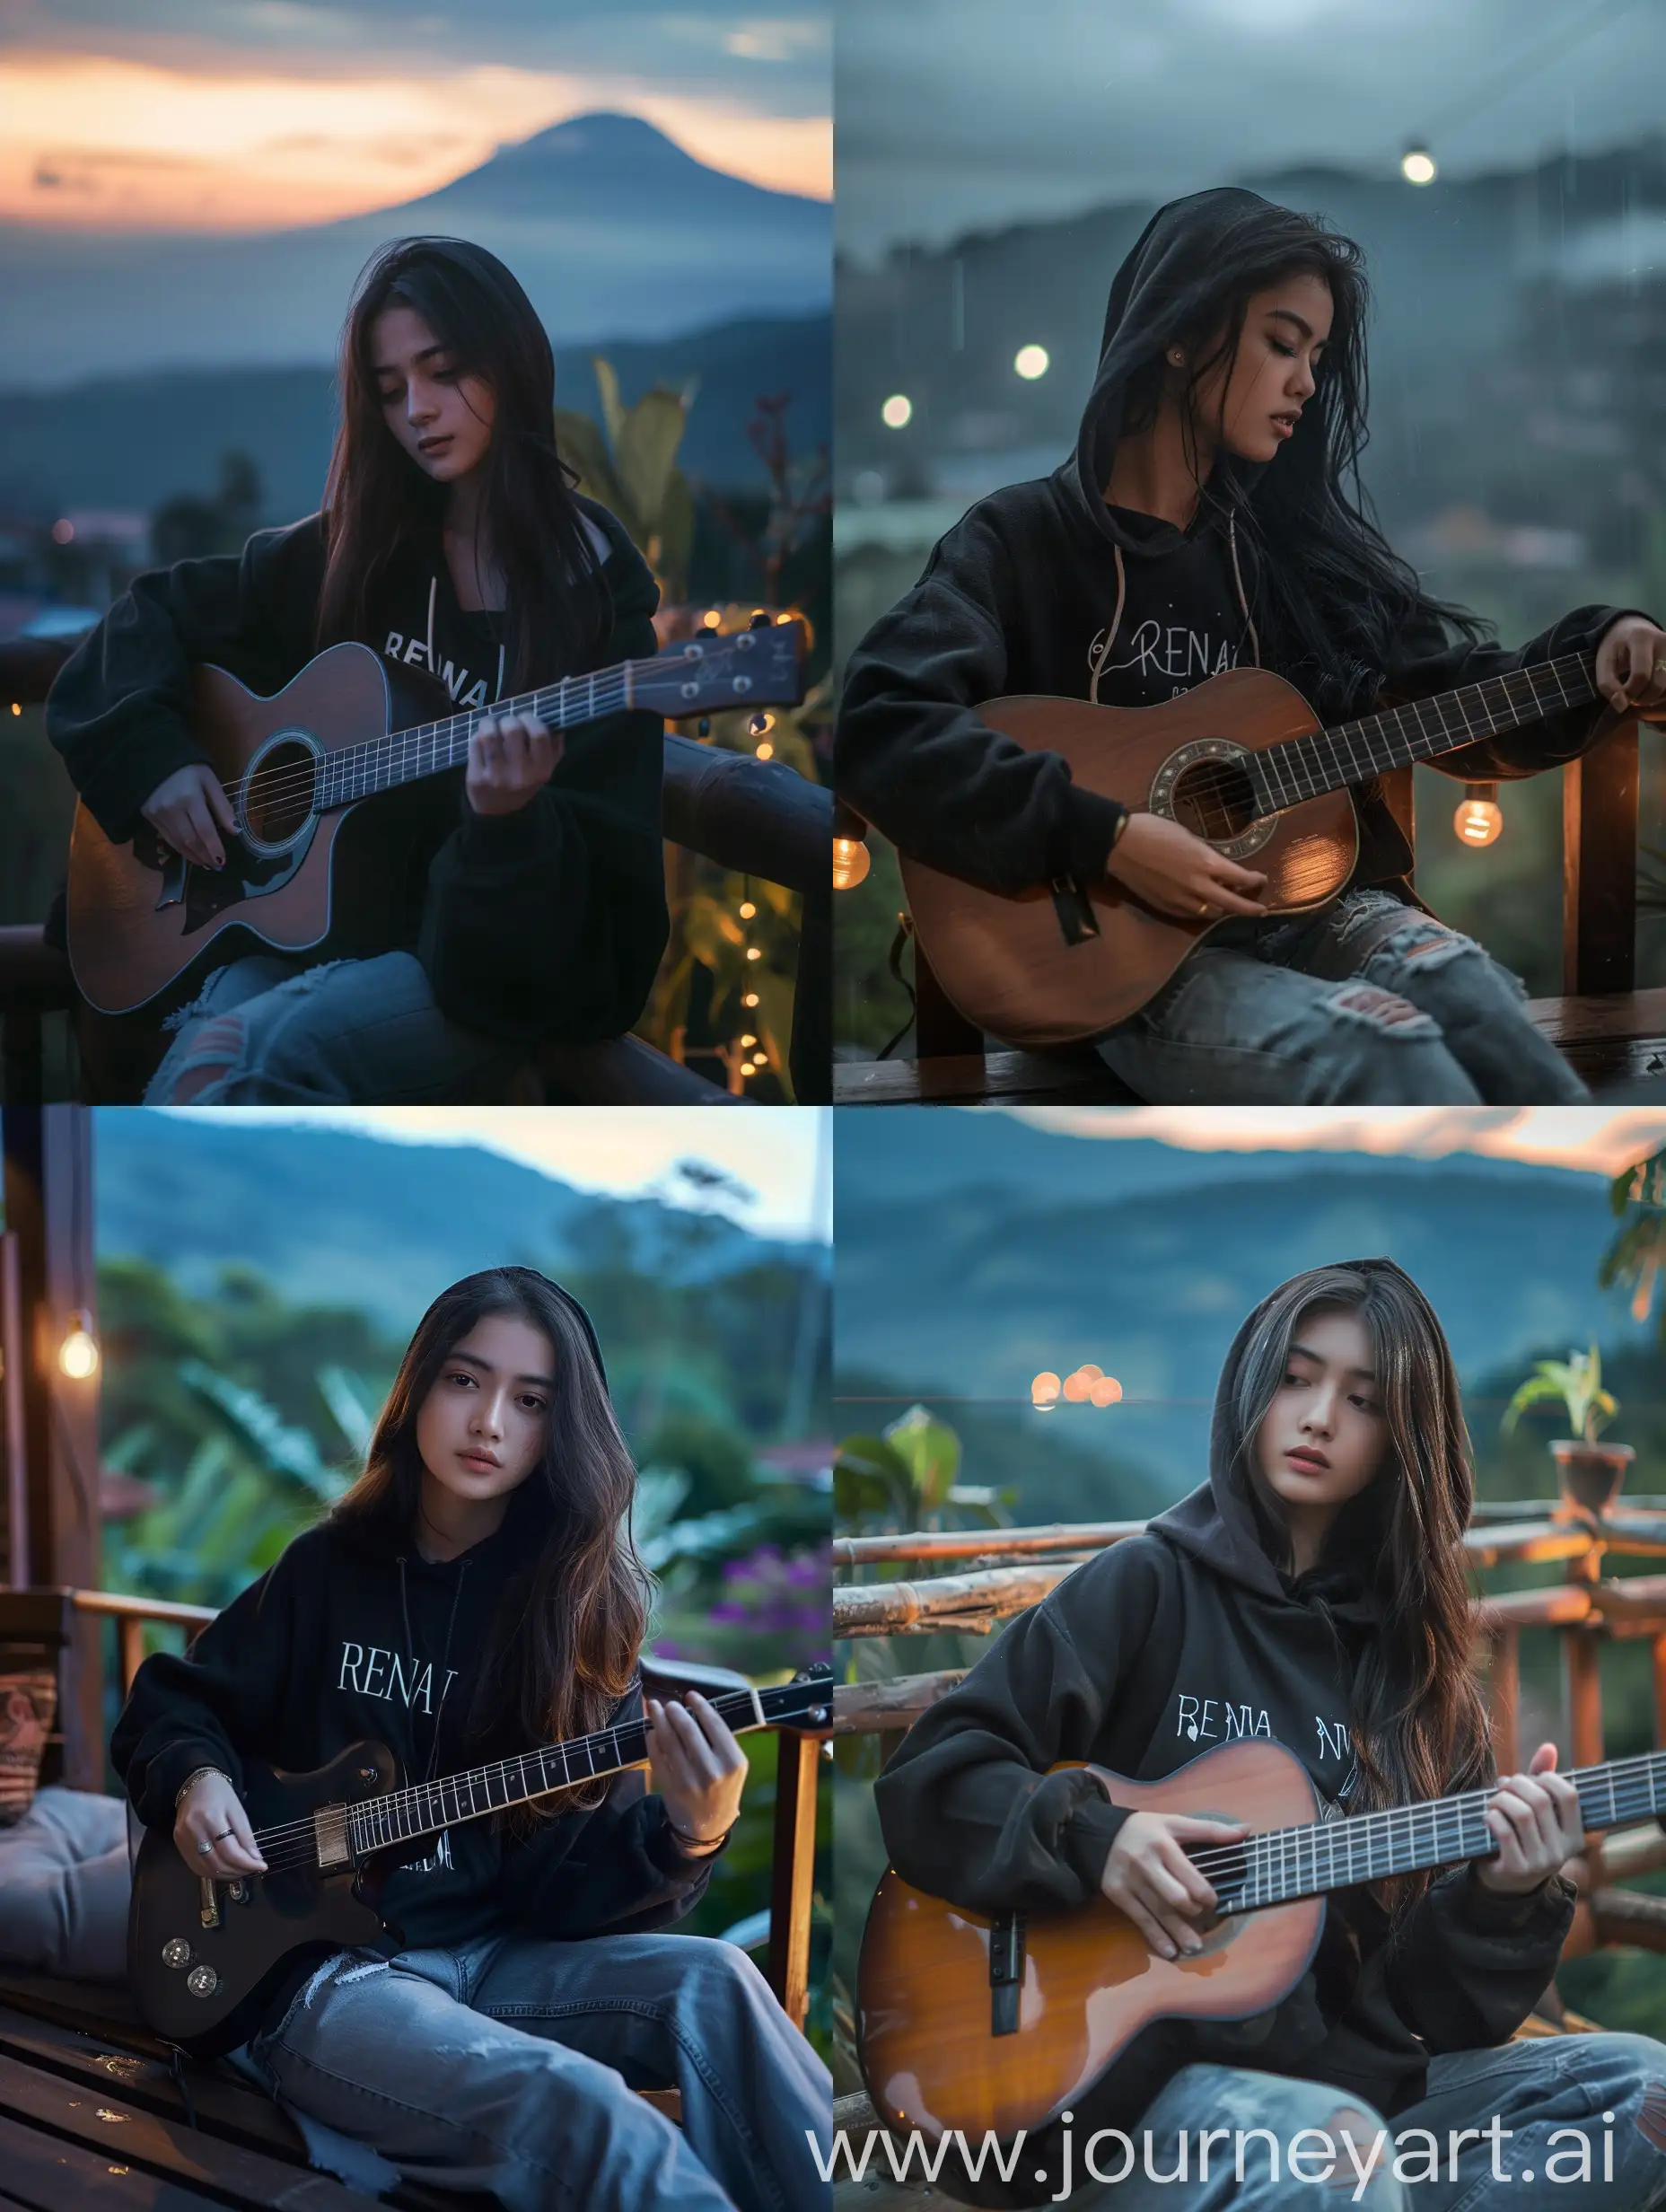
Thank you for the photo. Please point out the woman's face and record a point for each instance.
(1323, 1437)
(480, 1430)
(1252, 407)
(439, 413)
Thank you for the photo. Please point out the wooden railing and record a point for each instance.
(1001, 1572)
(757, 816)
(793, 1863)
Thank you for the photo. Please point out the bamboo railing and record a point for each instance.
(998, 1573)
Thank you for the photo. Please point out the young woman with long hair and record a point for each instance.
(451, 541)
(477, 1594)
(1311, 1590)
(1211, 517)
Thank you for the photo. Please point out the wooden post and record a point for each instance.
(1600, 865)
(48, 1207)
(1659, 1691)
(793, 1871)
(1584, 1697)
(941, 1030)
(130, 1645)
(1503, 1683)
(13, 1363)
(1399, 796)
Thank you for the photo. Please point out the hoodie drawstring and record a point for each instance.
(410, 1646)
(433, 585)
(1231, 546)
(1101, 653)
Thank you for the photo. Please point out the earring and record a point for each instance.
(1176, 356)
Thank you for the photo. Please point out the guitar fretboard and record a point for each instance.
(1273, 1868)
(1302, 768)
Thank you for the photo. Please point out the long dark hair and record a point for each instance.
(1418, 1723)
(1335, 595)
(566, 1634)
(377, 500)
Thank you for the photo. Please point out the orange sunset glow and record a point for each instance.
(97, 143)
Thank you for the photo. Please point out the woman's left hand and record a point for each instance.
(697, 1767)
(1631, 668)
(509, 761)
(1537, 1819)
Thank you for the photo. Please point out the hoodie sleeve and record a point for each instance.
(966, 1807)
(1464, 1971)
(1430, 662)
(911, 755)
(119, 711)
(550, 921)
(222, 1698)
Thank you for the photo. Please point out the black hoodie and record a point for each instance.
(1043, 589)
(1172, 1640)
(545, 923)
(347, 1637)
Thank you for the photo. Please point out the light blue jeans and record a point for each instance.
(510, 2065)
(270, 1031)
(1551, 2095)
(1368, 1001)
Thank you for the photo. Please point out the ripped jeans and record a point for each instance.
(1581, 2122)
(1368, 1001)
(509, 2065)
(270, 1030)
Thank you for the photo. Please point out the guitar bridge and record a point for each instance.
(1006, 1972)
(330, 1835)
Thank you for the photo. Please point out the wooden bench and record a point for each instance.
(1608, 1032)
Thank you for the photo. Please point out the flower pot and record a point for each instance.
(1589, 1475)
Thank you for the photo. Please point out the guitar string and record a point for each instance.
(412, 1798)
(609, 691)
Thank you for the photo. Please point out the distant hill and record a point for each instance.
(613, 230)
(132, 442)
(1042, 1250)
(330, 1217)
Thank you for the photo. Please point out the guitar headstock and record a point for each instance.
(805, 1702)
(708, 674)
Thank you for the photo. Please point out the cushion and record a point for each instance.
(64, 1882)
(28, 1703)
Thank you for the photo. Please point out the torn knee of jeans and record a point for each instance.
(1382, 1010)
(309, 979)
(182, 1016)
(215, 1050)
(1350, 2123)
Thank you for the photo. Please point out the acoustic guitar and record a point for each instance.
(996, 2027)
(1240, 759)
(311, 864)
(205, 1957)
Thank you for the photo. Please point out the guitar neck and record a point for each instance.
(1302, 768)
(426, 1808)
(1284, 1863)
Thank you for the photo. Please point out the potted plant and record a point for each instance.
(1588, 1473)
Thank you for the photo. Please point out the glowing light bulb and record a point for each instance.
(750, 999)
(746, 909)
(1032, 361)
(1089, 1372)
(748, 1040)
(897, 411)
(851, 863)
(16, 709)
(1044, 1392)
(1418, 165)
(1076, 1387)
(760, 725)
(711, 619)
(752, 953)
(78, 1355)
(765, 752)
(1480, 817)
(1106, 1391)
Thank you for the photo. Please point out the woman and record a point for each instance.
(450, 540)
(1207, 521)
(474, 1594)
(1312, 1591)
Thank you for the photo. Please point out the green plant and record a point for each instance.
(1576, 1382)
(628, 461)
(1637, 1195)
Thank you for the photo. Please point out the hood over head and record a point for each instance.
(1223, 1524)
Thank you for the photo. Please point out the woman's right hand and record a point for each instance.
(1149, 1876)
(184, 809)
(211, 1812)
(1181, 875)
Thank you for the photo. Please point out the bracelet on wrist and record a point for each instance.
(192, 1779)
(704, 1843)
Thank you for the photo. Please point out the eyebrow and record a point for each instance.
(468, 1359)
(1290, 315)
(1300, 1351)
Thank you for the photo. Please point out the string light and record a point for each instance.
(1480, 817)
(710, 619)
(851, 863)
(750, 999)
(1044, 1392)
(752, 953)
(765, 752)
(747, 909)
(897, 411)
(749, 1040)
(1417, 164)
(1032, 362)
(78, 1355)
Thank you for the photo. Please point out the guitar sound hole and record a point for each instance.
(1214, 799)
(279, 795)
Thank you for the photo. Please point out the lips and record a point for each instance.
(1285, 423)
(433, 445)
(1308, 1462)
(482, 1460)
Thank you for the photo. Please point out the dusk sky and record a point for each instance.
(253, 114)
(956, 114)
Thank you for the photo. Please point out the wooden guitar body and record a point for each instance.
(1007, 961)
(1089, 1986)
(141, 919)
(206, 1987)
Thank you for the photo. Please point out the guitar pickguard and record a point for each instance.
(204, 893)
